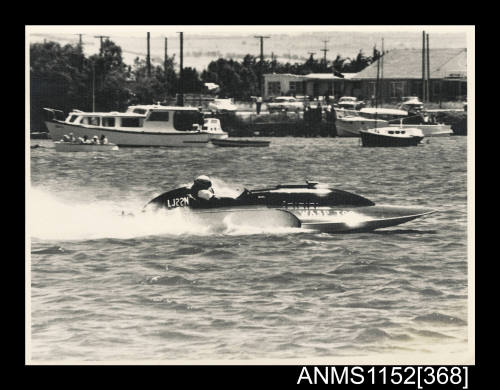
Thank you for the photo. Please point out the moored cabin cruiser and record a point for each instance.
(424, 121)
(366, 118)
(391, 136)
(141, 125)
(350, 126)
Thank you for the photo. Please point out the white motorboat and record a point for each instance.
(141, 125)
(212, 127)
(429, 130)
(382, 113)
(222, 105)
(62, 146)
(349, 126)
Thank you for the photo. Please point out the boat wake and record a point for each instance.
(49, 217)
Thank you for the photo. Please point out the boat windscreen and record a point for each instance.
(184, 120)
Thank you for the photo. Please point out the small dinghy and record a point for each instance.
(79, 147)
(239, 142)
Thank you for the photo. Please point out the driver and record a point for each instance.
(202, 188)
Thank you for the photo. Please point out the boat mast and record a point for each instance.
(377, 89)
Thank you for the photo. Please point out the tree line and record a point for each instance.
(62, 77)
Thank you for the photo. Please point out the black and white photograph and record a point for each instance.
(250, 194)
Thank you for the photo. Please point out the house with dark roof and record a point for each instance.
(401, 75)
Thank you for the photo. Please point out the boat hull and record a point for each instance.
(359, 219)
(129, 138)
(351, 126)
(222, 135)
(323, 219)
(381, 140)
(71, 147)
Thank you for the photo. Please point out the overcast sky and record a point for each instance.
(227, 41)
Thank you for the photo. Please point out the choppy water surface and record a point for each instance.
(107, 287)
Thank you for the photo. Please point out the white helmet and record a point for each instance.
(203, 181)
(205, 194)
(202, 178)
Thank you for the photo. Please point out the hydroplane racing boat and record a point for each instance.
(310, 206)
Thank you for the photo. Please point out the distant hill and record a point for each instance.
(200, 50)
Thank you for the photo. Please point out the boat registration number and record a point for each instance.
(178, 202)
(321, 213)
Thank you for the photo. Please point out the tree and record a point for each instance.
(57, 79)
(191, 82)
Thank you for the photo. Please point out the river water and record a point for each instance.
(106, 287)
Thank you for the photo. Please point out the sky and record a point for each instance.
(203, 44)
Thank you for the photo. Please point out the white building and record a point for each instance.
(312, 84)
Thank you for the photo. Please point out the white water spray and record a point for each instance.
(50, 217)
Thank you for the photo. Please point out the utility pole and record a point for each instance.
(423, 66)
(165, 58)
(165, 64)
(93, 86)
(80, 44)
(428, 71)
(80, 47)
(180, 96)
(148, 58)
(261, 37)
(382, 74)
(324, 52)
(382, 58)
(101, 37)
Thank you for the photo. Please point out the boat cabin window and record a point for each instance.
(391, 131)
(131, 122)
(91, 120)
(73, 117)
(159, 116)
(108, 122)
(141, 111)
(184, 120)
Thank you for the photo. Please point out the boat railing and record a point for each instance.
(53, 114)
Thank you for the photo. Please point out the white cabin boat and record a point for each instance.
(434, 130)
(213, 128)
(350, 126)
(382, 113)
(141, 125)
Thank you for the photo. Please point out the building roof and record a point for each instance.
(322, 76)
(407, 64)
(310, 76)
